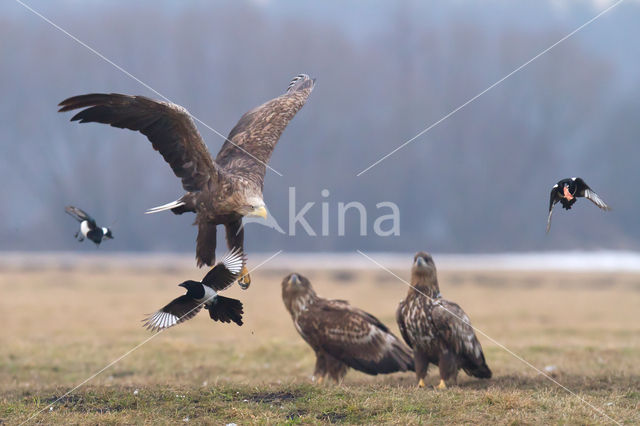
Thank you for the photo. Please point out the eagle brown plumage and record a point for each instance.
(220, 192)
(341, 335)
(438, 330)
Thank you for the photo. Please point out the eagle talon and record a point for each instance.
(441, 385)
(421, 383)
(245, 279)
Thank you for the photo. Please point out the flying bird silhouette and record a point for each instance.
(220, 191)
(567, 191)
(204, 294)
(88, 227)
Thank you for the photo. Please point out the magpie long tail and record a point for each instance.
(226, 309)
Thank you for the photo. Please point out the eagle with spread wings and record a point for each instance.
(341, 335)
(438, 330)
(220, 191)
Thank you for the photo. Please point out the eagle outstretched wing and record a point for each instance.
(454, 328)
(354, 337)
(251, 142)
(168, 126)
(80, 215)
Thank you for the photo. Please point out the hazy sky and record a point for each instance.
(386, 70)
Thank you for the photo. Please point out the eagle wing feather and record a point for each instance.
(355, 337)
(454, 328)
(401, 325)
(168, 126)
(251, 142)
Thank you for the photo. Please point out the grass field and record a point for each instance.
(62, 325)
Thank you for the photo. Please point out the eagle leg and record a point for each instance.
(245, 279)
(235, 239)
(421, 365)
(448, 369)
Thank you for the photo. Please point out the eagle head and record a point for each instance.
(424, 276)
(253, 207)
(423, 262)
(296, 292)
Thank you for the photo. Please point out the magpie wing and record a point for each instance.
(178, 310)
(226, 271)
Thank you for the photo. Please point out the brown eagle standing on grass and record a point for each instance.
(220, 191)
(342, 336)
(438, 330)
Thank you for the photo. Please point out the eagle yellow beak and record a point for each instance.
(259, 212)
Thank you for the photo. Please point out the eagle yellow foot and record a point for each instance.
(320, 380)
(421, 383)
(245, 279)
(441, 385)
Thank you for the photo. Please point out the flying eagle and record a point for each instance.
(220, 191)
(438, 330)
(567, 190)
(342, 336)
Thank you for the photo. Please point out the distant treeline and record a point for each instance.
(478, 182)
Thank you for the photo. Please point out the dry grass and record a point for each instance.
(60, 326)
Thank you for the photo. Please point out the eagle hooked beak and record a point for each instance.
(294, 280)
(259, 212)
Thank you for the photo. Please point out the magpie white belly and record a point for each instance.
(209, 294)
(84, 228)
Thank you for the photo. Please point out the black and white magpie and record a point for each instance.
(567, 191)
(204, 294)
(88, 227)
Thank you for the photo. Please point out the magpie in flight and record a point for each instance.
(204, 293)
(567, 191)
(88, 227)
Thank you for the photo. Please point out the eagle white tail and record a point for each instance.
(168, 206)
